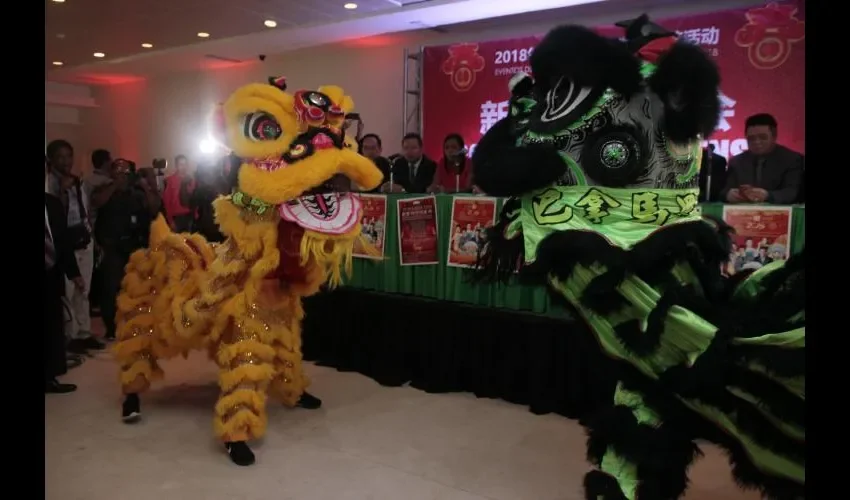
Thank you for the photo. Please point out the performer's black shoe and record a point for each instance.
(54, 387)
(93, 344)
(74, 360)
(239, 453)
(77, 346)
(131, 410)
(309, 402)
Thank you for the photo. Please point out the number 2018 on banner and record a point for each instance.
(513, 55)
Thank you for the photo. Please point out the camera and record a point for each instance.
(261, 57)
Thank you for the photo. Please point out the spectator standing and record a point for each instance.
(123, 226)
(68, 188)
(210, 184)
(178, 191)
(59, 264)
(101, 159)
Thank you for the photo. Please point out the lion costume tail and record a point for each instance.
(152, 320)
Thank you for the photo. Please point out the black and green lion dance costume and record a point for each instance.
(600, 158)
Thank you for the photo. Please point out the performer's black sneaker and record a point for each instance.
(77, 346)
(239, 453)
(309, 402)
(74, 360)
(131, 410)
(55, 387)
(93, 344)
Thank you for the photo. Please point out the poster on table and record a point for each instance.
(760, 50)
(417, 231)
(471, 216)
(762, 235)
(373, 224)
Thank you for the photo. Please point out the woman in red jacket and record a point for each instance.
(454, 171)
(176, 196)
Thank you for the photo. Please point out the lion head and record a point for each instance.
(291, 145)
(603, 112)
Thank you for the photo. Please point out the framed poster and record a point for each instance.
(417, 231)
(471, 216)
(373, 224)
(762, 235)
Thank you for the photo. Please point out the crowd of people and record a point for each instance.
(767, 172)
(412, 171)
(94, 224)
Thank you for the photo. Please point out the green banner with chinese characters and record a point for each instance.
(624, 216)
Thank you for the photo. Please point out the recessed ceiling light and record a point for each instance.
(60, 36)
(99, 54)
(147, 45)
(58, 63)
(59, 1)
(203, 35)
(270, 24)
(350, 6)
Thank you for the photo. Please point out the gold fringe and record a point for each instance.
(331, 253)
(362, 246)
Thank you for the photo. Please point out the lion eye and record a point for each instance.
(262, 127)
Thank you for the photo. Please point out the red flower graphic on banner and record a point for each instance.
(462, 65)
(769, 33)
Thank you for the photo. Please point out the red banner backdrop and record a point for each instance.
(760, 52)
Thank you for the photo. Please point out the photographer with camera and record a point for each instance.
(69, 189)
(123, 225)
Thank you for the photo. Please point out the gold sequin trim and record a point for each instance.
(246, 358)
(232, 411)
(242, 386)
(140, 356)
(242, 337)
(135, 332)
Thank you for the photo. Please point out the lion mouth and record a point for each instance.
(329, 212)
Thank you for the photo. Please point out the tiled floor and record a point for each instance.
(367, 443)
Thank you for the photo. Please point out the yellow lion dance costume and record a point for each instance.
(241, 301)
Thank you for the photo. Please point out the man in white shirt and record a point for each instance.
(68, 188)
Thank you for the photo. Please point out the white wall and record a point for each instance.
(65, 113)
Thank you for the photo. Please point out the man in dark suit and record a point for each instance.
(712, 175)
(371, 147)
(59, 262)
(766, 172)
(413, 171)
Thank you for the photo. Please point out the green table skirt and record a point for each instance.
(450, 283)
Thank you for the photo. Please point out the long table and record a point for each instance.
(424, 325)
(449, 283)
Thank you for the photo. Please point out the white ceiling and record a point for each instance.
(75, 29)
